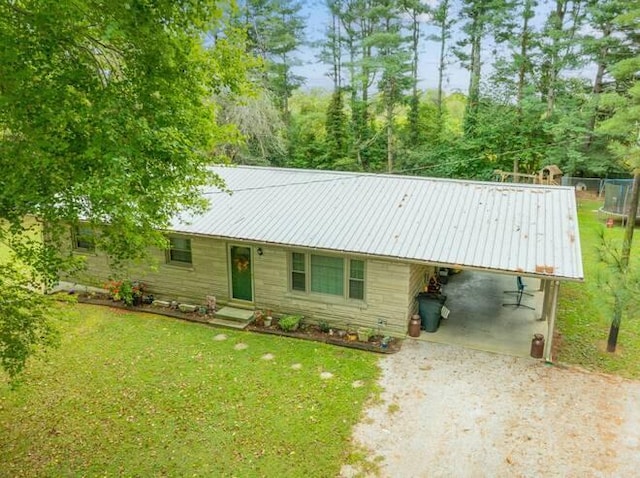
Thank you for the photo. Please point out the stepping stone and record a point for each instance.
(268, 357)
(357, 384)
(240, 346)
(297, 366)
(326, 375)
(220, 337)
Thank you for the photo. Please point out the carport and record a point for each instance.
(479, 320)
(495, 233)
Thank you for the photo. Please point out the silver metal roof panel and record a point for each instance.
(505, 227)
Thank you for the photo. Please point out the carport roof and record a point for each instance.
(502, 227)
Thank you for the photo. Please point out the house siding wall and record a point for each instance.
(388, 289)
(385, 305)
(417, 280)
(207, 276)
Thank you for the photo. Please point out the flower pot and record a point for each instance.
(364, 334)
(267, 321)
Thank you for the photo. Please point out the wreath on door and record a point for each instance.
(241, 263)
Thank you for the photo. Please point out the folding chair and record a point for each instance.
(520, 292)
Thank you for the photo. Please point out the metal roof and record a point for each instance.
(523, 229)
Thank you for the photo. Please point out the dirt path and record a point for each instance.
(454, 412)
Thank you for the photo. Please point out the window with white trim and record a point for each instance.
(179, 252)
(356, 279)
(330, 275)
(298, 272)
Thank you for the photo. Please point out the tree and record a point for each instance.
(105, 115)
(605, 45)
(560, 47)
(416, 12)
(393, 61)
(276, 31)
(259, 122)
(444, 22)
(482, 16)
(623, 127)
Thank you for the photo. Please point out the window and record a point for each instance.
(179, 252)
(327, 275)
(298, 272)
(356, 279)
(84, 238)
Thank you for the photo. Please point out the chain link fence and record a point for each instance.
(591, 185)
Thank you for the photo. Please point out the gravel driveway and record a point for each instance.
(455, 412)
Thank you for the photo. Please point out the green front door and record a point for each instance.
(241, 275)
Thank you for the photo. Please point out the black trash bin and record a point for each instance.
(430, 309)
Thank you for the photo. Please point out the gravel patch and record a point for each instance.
(453, 412)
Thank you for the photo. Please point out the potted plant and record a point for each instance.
(386, 340)
(364, 333)
(137, 293)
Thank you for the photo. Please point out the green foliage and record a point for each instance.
(620, 284)
(120, 98)
(105, 115)
(128, 381)
(324, 326)
(289, 323)
(126, 290)
(336, 126)
(276, 31)
(24, 324)
(584, 309)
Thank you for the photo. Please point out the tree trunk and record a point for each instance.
(612, 341)
(474, 81)
(597, 89)
(631, 222)
(415, 101)
(522, 71)
(441, 66)
(560, 11)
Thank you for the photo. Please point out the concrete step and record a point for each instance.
(232, 317)
(231, 324)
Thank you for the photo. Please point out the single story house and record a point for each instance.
(356, 248)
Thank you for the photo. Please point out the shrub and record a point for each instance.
(323, 325)
(289, 323)
(125, 290)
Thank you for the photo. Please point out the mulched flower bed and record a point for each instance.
(313, 332)
(305, 332)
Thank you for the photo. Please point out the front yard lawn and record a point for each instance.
(132, 394)
(584, 316)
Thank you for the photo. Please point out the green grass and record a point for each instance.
(584, 313)
(141, 395)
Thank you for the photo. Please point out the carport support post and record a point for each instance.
(546, 288)
(548, 345)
